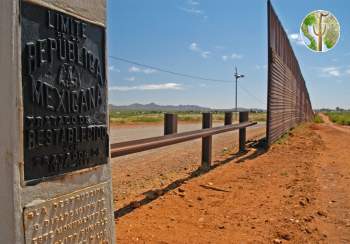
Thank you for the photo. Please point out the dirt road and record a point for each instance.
(121, 133)
(298, 192)
(134, 174)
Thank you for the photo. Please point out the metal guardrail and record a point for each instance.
(129, 147)
(288, 101)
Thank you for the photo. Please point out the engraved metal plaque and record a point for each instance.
(79, 217)
(64, 93)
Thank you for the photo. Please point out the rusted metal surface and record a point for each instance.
(207, 122)
(243, 117)
(124, 148)
(228, 118)
(170, 124)
(288, 99)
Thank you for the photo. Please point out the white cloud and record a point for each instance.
(193, 11)
(113, 68)
(205, 54)
(335, 71)
(296, 38)
(149, 71)
(134, 69)
(236, 56)
(260, 67)
(132, 78)
(193, 2)
(195, 48)
(148, 87)
(331, 71)
(232, 56)
(193, 7)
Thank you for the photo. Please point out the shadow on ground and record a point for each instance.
(254, 149)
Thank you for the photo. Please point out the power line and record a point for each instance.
(182, 74)
(169, 71)
(250, 94)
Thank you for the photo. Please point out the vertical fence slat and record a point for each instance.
(288, 101)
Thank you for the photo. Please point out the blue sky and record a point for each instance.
(207, 38)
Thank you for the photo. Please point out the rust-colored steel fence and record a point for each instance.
(288, 102)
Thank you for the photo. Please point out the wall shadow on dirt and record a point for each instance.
(254, 149)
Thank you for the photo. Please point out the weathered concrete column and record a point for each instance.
(55, 176)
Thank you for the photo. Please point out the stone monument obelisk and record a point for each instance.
(55, 177)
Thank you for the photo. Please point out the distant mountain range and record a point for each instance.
(167, 108)
(156, 107)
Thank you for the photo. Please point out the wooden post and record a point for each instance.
(170, 124)
(228, 118)
(243, 117)
(206, 142)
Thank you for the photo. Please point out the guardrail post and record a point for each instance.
(170, 124)
(243, 117)
(228, 118)
(206, 142)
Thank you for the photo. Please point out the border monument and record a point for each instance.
(55, 177)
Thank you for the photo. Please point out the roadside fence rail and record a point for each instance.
(171, 136)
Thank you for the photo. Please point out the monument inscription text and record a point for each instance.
(79, 217)
(64, 93)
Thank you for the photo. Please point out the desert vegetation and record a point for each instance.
(318, 119)
(140, 117)
(342, 118)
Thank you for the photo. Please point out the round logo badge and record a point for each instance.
(320, 31)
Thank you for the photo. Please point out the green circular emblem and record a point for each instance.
(320, 31)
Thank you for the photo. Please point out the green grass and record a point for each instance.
(139, 117)
(342, 118)
(283, 138)
(318, 119)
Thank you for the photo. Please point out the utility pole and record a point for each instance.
(237, 76)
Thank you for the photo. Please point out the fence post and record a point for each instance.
(243, 117)
(228, 118)
(206, 142)
(170, 123)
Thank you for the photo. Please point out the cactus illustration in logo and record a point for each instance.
(320, 31)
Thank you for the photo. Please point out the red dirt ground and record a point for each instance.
(135, 174)
(297, 192)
